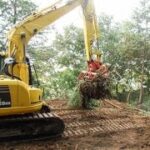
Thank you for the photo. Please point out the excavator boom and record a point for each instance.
(21, 34)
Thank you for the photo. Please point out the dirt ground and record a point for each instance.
(112, 126)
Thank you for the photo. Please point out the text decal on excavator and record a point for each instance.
(5, 100)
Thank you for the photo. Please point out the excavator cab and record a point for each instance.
(15, 95)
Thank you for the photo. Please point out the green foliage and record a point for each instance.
(74, 99)
(93, 103)
(59, 64)
(11, 12)
(70, 47)
(127, 48)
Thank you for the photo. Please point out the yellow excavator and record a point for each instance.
(23, 113)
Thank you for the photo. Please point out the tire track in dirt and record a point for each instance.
(107, 126)
(80, 123)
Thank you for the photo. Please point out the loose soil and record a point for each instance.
(113, 125)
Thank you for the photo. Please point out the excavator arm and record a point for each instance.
(91, 30)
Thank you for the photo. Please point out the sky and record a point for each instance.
(120, 9)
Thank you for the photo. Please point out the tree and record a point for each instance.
(141, 20)
(11, 12)
(59, 64)
(134, 53)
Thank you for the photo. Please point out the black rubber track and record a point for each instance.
(31, 127)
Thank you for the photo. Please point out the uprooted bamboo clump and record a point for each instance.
(98, 88)
(87, 92)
